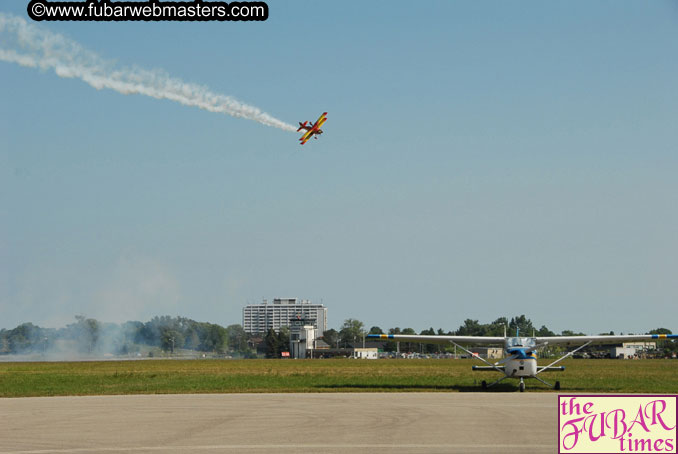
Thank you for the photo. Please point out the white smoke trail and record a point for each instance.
(33, 46)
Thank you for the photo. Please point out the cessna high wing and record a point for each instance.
(520, 360)
(313, 130)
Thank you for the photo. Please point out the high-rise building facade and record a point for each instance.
(257, 319)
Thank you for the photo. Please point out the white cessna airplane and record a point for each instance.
(521, 359)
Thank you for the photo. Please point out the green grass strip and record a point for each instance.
(336, 375)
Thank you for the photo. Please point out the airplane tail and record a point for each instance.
(302, 125)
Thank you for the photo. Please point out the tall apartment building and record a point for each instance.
(257, 319)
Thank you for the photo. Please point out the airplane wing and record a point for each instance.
(491, 368)
(306, 136)
(428, 339)
(321, 118)
(579, 340)
(552, 340)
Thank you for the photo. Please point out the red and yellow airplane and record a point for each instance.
(313, 129)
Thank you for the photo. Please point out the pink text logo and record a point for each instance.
(617, 424)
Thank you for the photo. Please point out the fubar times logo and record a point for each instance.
(617, 424)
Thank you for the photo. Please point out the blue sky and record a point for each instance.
(480, 159)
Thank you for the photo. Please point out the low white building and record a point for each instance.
(640, 345)
(631, 349)
(488, 352)
(365, 353)
(622, 352)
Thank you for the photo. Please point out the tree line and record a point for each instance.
(352, 331)
(92, 337)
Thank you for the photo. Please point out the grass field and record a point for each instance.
(338, 375)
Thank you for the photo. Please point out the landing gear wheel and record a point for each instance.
(557, 386)
(521, 387)
(483, 384)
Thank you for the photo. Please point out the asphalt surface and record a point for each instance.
(282, 423)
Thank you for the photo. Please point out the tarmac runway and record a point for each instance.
(281, 423)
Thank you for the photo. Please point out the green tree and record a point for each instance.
(568, 332)
(170, 339)
(351, 332)
(154, 328)
(4, 343)
(21, 338)
(284, 339)
(272, 344)
(192, 341)
(471, 328)
(521, 324)
(660, 331)
(331, 336)
(237, 338)
(497, 328)
(86, 332)
(545, 332)
(215, 338)
(375, 330)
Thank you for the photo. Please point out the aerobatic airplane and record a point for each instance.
(521, 359)
(313, 129)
